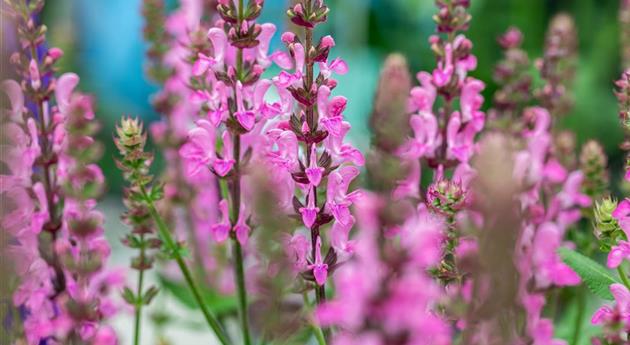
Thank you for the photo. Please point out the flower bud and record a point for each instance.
(446, 197)
(607, 229)
(33, 70)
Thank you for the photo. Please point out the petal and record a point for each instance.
(64, 88)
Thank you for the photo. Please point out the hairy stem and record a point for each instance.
(139, 301)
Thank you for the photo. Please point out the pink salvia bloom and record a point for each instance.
(33, 70)
(223, 165)
(320, 269)
(245, 117)
(241, 228)
(313, 172)
(444, 71)
(199, 151)
(309, 213)
(549, 267)
(618, 253)
(221, 231)
(297, 247)
(620, 313)
(622, 215)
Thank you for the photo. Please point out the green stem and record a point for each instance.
(242, 294)
(577, 328)
(139, 294)
(165, 235)
(319, 335)
(317, 331)
(235, 191)
(623, 276)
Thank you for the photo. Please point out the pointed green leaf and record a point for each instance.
(596, 277)
(218, 303)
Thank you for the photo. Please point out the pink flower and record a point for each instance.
(63, 90)
(202, 64)
(337, 66)
(221, 231)
(16, 97)
(471, 101)
(622, 215)
(621, 310)
(199, 150)
(297, 248)
(313, 172)
(426, 136)
(33, 70)
(320, 269)
(309, 213)
(224, 164)
(422, 97)
(618, 253)
(460, 138)
(241, 228)
(444, 71)
(247, 118)
(549, 267)
(337, 196)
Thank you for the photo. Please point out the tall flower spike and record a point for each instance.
(512, 75)
(89, 281)
(53, 181)
(557, 67)
(226, 84)
(314, 126)
(135, 163)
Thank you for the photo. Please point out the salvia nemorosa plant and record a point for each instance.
(463, 229)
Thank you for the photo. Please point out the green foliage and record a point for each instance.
(219, 304)
(596, 277)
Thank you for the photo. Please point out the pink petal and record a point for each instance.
(309, 215)
(220, 232)
(314, 175)
(247, 119)
(321, 274)
(223, 166)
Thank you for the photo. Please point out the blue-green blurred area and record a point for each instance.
(103, 43)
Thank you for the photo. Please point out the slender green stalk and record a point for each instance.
(165, 235)
(579, 319)
(242, 294)
(139, 301)
(317, 331)
(623, 276)
(319, 335)
(235, 191)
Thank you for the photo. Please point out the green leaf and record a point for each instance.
(219, 304)
(596, 277)
(129, 296)
(150, 294)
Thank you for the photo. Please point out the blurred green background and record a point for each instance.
(103, 42)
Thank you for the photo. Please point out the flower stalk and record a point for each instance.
(135, 164)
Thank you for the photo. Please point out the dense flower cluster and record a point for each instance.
(468, 229)
(305, 147)
(58, 239)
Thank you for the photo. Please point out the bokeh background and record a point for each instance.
(104, 45)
